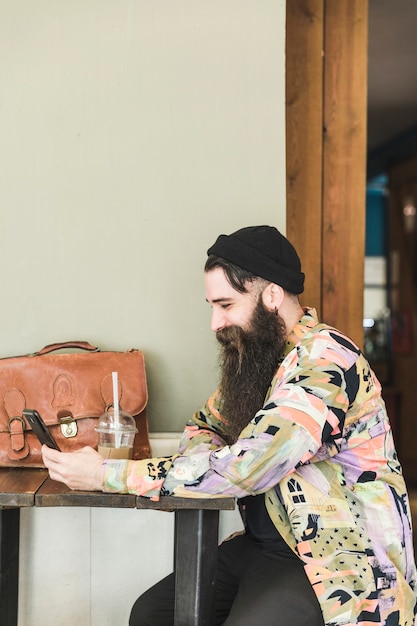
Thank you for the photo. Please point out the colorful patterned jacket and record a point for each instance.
(321, 449)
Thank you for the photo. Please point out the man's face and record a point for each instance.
(229, 307)
(251, 339)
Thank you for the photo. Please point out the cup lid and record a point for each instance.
(107, 423)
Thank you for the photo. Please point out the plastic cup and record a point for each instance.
(116, 436)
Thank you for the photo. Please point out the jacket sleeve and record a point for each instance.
(285, 433)
(306, 407)
(146, 477)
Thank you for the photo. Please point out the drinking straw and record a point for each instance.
(116, 408)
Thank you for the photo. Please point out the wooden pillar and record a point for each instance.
(326, 94)
(304, 139)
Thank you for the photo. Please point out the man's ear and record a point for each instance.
(273, 296)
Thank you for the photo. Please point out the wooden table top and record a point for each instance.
(21, 487)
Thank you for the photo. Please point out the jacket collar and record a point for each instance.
(303, 326)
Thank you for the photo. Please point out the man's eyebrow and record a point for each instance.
(217, 300)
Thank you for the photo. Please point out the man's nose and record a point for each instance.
(217, 320)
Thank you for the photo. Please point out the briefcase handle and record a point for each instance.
(81, 345)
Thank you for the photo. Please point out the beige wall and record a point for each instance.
(133, 132)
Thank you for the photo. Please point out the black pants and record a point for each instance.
(253, 587)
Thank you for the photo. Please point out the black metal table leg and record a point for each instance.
(9, 565)
(196, 538)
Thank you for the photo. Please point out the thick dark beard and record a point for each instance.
(248, 362)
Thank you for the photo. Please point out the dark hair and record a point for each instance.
(236, 276)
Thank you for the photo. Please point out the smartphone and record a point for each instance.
(39, 428)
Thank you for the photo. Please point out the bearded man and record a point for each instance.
(298, 432)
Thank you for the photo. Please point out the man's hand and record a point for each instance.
(80, 470)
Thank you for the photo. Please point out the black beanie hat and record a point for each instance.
(265, 252)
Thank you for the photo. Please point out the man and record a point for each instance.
(299, 433)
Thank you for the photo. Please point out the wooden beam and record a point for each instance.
(326, 94)
(344, 165)
(304, 149)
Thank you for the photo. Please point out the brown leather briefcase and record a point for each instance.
(70, 385)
